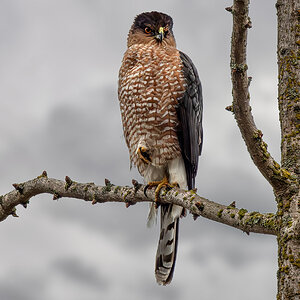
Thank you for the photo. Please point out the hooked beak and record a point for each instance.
(160, 34)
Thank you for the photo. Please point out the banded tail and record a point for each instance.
(167, 245)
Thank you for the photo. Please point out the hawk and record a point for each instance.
(160, 98)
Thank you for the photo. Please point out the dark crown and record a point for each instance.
(154, 18)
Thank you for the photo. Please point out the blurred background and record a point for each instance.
(59, 112)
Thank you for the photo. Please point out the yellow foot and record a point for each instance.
(159, 185)
(144, 155)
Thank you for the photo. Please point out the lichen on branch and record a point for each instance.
(278, 177)
(197, 205)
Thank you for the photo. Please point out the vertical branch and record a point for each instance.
(288, 54)
(270, 169)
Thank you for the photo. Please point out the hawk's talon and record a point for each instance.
(143, 153)
(145, 190)
(171, 186)
(159, 185)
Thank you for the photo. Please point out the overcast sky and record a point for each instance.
(59, 112)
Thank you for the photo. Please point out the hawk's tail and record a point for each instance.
(167, 245)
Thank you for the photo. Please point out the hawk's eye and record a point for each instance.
(148, 30)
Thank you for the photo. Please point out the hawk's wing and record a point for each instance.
(189, 111)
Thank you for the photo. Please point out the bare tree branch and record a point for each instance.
(278, 177)
(198, 206)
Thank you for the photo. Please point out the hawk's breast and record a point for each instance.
(150, 83)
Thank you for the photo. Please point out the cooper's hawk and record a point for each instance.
(161, 105)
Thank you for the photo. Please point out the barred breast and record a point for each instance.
(150, 83)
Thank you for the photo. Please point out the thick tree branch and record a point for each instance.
(288, 56)
(278, 177)
(198, 206)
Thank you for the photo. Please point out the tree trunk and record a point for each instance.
(288, 200)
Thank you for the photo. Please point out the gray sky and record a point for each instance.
(59, 112)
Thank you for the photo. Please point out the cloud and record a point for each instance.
(21, 286)
(76, 270)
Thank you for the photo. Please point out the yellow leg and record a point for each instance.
(159, 185)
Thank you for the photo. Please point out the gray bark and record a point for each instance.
(198, 206)
(288, 53)
(285, 178)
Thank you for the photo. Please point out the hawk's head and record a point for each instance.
(150, 28)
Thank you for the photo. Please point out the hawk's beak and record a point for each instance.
(160, 34)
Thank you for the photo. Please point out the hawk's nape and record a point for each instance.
(161, 107)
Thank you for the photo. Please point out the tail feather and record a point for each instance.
(152, 216)
(167, 245)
